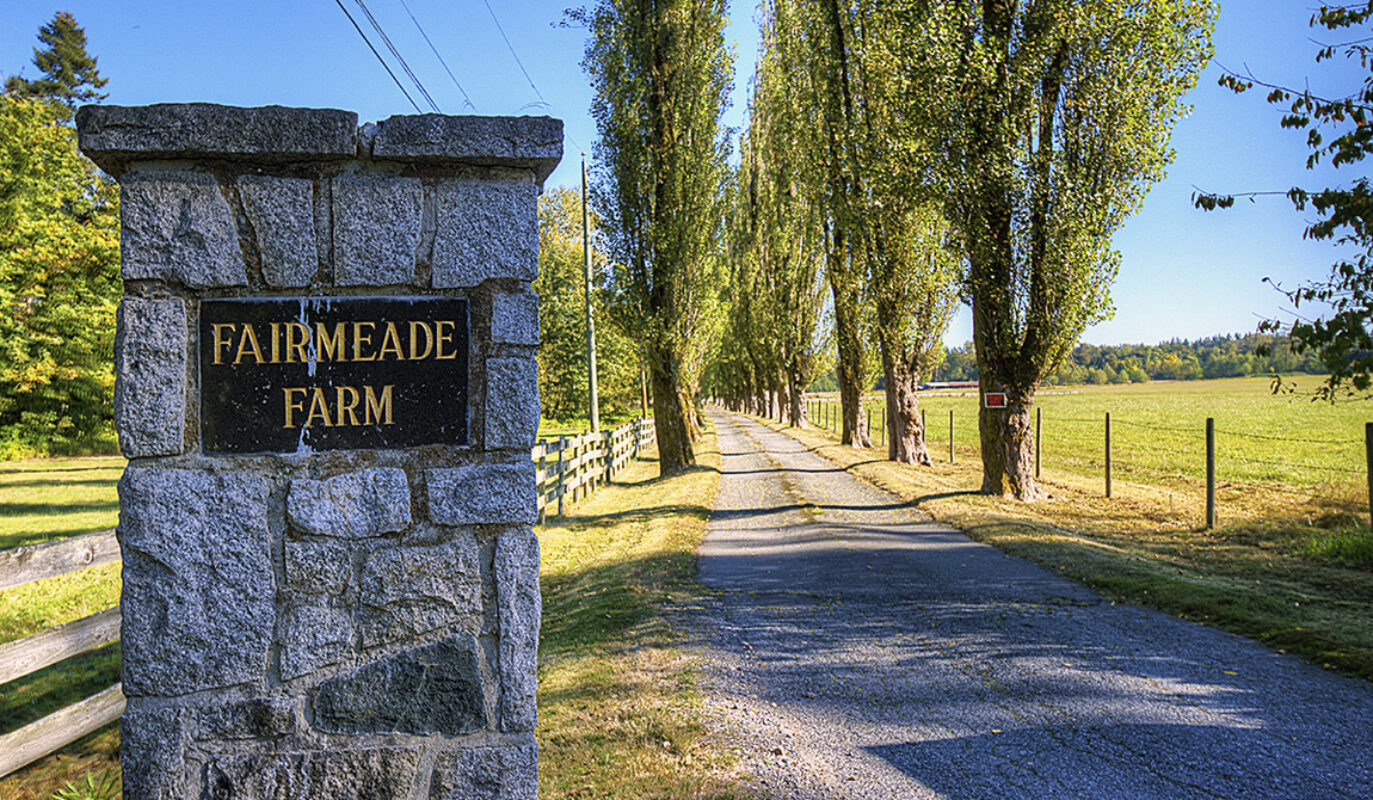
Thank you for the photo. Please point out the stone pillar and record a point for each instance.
(326, 391)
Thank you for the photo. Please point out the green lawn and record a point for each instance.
(46, 499)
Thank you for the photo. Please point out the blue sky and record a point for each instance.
(1184, 274)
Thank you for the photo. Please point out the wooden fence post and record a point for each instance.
(1039, 426)
(1368, 454)
(1210, 473)
(562, 451)
(1108, 454)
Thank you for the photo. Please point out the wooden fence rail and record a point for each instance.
(567, 468)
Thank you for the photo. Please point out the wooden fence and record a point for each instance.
(568, 469)
(19, 658)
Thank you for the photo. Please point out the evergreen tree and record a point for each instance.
(70, 73)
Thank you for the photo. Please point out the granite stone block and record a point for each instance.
(152, 751)
(512, 403)
(533, 143)
(254, 718)
(355, 505)
(198, 584)
(434, 689)
(176, 226)
(487, 773)
(281, 211)
(482, 494)
(486, 229)
(376, 229)
(316, 568)
(384, 773)
(150, 377)
(406, 591)
(515, 318)
(313, 637)
(519, 607)
(113, 136)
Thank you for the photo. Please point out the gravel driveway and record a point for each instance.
(857, 650)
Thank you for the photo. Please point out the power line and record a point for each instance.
(527, 77)
(398, 56)
(512, 51)
(467, 100)
(384, 65)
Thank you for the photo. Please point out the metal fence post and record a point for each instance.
(951, 436)
(1368, 454)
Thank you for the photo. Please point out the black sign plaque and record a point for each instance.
(332, 373)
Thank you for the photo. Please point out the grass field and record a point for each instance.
(1158, 430)
(616, 698)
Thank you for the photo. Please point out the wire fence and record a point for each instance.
(1146, 451)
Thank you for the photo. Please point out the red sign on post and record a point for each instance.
(994, 399)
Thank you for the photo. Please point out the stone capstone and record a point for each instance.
(512, 402)
(366, 774)
(376, 229)
(482, 494)
(150, 377)
(113, 136)
(313, 637)
(318, 568)
(407, 591)
(176, 226)
(533, 143)
(355, 505)
(255, 718)
(281, 211)
(435, 689)
(487, 773)
(515, 318)
(152, 745)
(198, 585)
(484, 231)
(519, 608)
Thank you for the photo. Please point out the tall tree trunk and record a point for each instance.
(1007, 437)
(849, 368)
(798, 398)
(670, 414)
(905, 434)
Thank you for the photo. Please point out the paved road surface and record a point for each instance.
(857, 651)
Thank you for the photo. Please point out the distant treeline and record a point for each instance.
(1225, 356)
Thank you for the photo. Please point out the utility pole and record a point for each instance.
(595, 407)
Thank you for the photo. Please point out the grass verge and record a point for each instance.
(616, 698)
(1263, 573)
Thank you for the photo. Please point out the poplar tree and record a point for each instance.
(780, 234)
(661, 77)
(1045, 123)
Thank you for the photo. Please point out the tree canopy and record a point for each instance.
(1338, 130)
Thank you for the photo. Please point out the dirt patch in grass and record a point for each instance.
(1287, 565)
